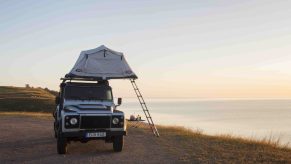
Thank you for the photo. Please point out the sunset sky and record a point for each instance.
(195, 48)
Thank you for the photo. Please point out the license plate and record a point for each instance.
(96, 134)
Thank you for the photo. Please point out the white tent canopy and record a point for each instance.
(101, 63)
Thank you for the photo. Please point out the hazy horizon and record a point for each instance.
(195, 49)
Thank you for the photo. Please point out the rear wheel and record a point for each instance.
(118, 143)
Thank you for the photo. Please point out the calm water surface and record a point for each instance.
(249, 118)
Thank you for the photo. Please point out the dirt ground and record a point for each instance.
(30, 140)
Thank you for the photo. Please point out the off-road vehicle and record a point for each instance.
(86, 111)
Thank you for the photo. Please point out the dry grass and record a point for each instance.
(269, 141)
(19, 99)
(194, 146)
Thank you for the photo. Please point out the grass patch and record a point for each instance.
(197, 147)
(20, 99)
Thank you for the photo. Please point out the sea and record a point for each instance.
(248, 118)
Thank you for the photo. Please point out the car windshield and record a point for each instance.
(88, 93)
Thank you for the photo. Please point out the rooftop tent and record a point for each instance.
(101, 63)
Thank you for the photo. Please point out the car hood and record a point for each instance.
(89, 106)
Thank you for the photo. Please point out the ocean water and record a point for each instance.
(255, 119)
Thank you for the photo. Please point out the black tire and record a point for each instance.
(55, 130)
(61, 142)
(118, 143)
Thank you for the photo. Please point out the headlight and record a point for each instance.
(115, 121)
(73, 121)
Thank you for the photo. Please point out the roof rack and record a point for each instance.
(94, 78)
(81, 79)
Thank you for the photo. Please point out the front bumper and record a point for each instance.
(82, 133)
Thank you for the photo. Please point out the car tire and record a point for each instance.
(118, 143)
(55, 130)
(61, 143)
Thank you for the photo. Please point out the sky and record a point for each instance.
(178, 49)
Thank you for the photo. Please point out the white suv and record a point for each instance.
(86, 111)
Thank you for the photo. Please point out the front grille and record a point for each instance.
(95, 122)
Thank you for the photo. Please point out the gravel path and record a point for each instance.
(30, 140)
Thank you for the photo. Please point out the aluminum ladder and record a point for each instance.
(145, 108)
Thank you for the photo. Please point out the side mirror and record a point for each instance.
(119, 101)
(57, 100)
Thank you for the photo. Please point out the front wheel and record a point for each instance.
(118, 143)
(62, 144)
(55, 130)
